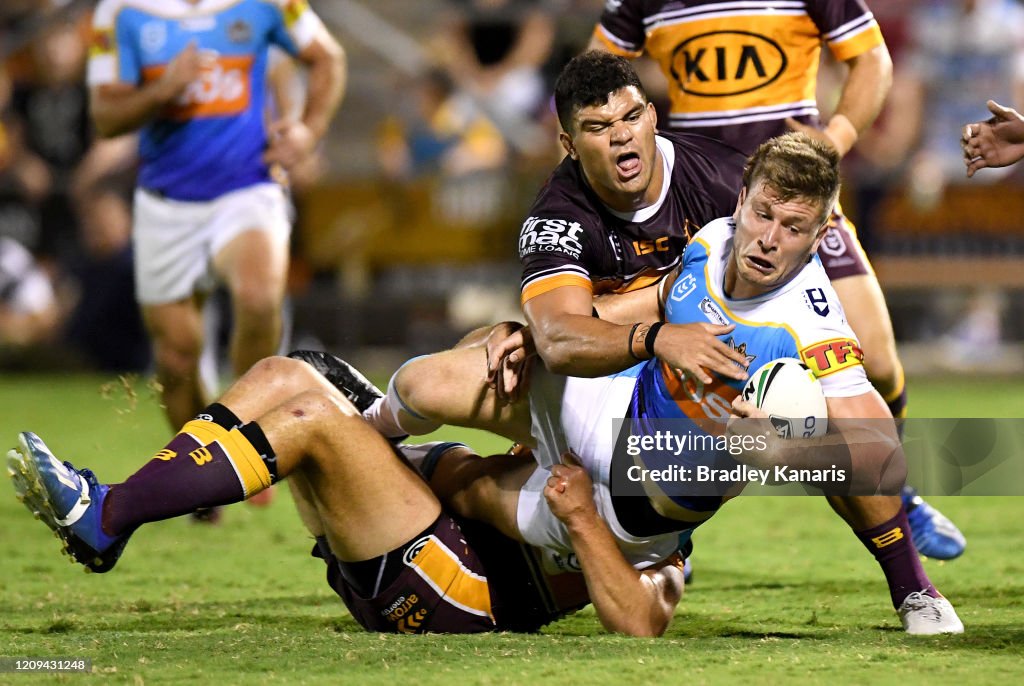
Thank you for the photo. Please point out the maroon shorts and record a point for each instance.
(840, 251)
(461, 579)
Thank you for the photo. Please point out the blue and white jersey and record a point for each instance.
(209, 141)
(802, 318)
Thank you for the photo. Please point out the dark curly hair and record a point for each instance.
(589, 79)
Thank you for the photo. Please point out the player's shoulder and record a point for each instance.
(713, 236)
(565, 193)
(697, 146)
(706, 166)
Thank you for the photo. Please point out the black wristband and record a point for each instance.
(652, 333)
(629, 342)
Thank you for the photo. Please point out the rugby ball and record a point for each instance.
(788, 391)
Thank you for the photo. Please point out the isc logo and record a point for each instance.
(222, 88)
(722, 63)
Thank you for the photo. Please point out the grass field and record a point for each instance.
(783, 592)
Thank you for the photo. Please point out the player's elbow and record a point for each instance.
(652, 625)
(558, 360)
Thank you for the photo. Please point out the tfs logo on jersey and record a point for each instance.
(721, 63)
(550, 235)
(222, 88)
(829, 357)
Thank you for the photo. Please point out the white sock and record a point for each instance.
(394, 419)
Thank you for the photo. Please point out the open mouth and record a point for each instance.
(760, 264)
(628, 165)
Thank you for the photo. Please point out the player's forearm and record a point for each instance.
(626, 308)
(119, 109)
(578, 345)
(627, 601)
(328, 76)
(866, 453)
(864, 92)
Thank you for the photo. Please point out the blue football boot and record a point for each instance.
(933, 534)
(68, 500)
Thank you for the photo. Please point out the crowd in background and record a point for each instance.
(407, 222)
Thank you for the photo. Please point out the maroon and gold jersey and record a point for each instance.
(570, 237)
(737, 69)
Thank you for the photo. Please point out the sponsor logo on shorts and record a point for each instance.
(711, 311)
(540, 235)
(829, 357)
(566, 563)
(833, 243)
(815, 299)
(404, 614)
(412, 551)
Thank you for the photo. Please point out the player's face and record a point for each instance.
(774, 240)
(614, 144)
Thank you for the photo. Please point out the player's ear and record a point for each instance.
(653, 113)
(818, 237)
(566, 141)
(739, 203)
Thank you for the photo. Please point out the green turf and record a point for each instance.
(783, 592)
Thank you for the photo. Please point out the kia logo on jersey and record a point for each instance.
(722, 63)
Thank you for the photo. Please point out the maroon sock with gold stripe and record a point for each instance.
(230, 466)
(890, 544)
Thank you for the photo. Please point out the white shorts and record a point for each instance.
(175, 241)
(576, 414)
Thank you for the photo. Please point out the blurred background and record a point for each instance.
(407, 218)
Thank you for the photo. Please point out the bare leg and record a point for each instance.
(450, 388)
(485, 489)
(254, 265)
(368, 500)
(177, 333)
(864, 512)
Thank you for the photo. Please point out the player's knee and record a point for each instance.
(288, 376)
(256, 302)
(278, 367)
(326, 414)
(416, 382)
(177, 356)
